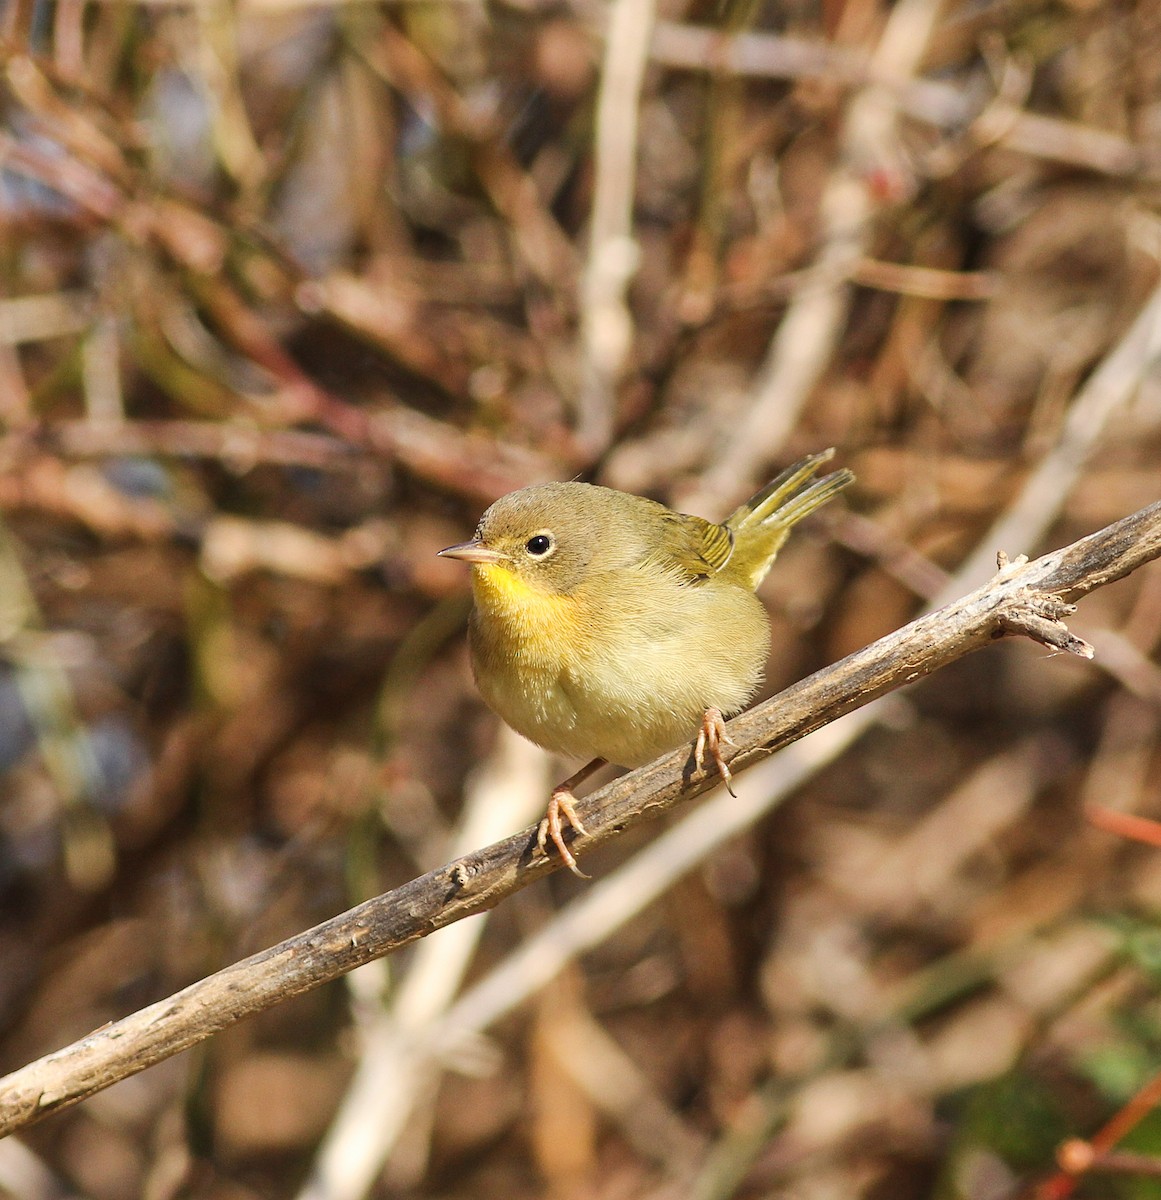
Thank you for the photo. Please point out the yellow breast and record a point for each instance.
(623, 680)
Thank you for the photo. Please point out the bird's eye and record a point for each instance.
(539, 544)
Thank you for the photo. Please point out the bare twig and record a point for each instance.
(509, 790)
(1106, 392)
(478, 881)
(238, 444)
(543, 248)
(802, 346)
(765, 55)
(606, 324)
(1077, 1157)
(927, 282)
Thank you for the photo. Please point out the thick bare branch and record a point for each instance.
(1024, 598)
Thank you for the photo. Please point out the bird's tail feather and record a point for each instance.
(762, 524)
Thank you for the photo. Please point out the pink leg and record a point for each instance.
(712, 736)
(562, 804)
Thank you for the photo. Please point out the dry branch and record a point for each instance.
(1023, 598)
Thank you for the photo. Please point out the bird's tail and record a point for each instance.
(763, 523)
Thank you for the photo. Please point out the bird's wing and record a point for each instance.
(692, 547)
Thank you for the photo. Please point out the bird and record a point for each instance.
(608, 627)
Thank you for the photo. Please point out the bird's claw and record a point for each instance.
(711, 737)
(562, 804)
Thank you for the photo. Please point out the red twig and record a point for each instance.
(1127, 825)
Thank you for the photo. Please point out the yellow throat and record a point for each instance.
(533, 625)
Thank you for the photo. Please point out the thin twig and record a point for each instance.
(508, 791)
(804, 341)
(1076, 1156)
(477, 882)
(606, 324)
(763, 55)
(238, 444)
(1105, 394)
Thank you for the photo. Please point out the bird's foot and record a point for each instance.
(711, 737)
(561, 807)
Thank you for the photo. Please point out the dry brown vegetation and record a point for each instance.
(291, 291)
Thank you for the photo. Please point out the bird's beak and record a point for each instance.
(472, 552)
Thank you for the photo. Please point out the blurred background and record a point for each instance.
(289, 292)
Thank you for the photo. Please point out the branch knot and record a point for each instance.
(1039, 618)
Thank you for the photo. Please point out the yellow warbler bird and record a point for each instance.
(609, 627)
